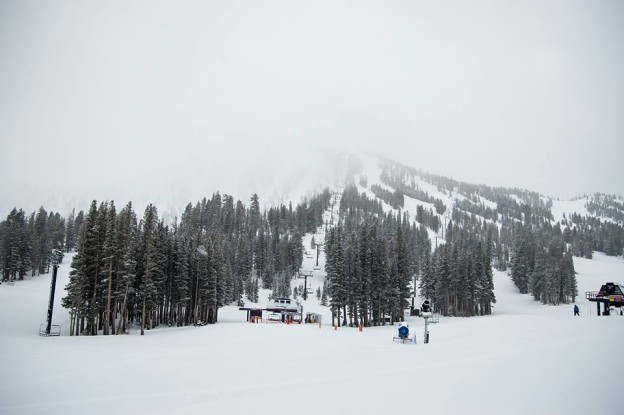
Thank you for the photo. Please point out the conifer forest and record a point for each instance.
(133, 268)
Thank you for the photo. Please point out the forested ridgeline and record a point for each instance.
(602, 230)
(134, 268)
(608, 206)
(518, 225)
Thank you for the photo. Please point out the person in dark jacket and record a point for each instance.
(576, 310)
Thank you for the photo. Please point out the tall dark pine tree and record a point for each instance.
(403, 271)
(109, 266)
(70, 233)
(381, 288)
(254, 215)
(365, 277)
(538, 279)
(151, 266)
(180, 294)
(127, 245)
(40, 242)
(16, 247)
(334, 267)
(522, 262)
(84, 279)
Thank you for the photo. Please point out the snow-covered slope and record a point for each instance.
(560, 208)
(525, 358)
(307, 170)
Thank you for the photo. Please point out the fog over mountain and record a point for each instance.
(168, 102)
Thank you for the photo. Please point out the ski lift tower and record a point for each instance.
(52, 330)
(318, 247)
(305, 275)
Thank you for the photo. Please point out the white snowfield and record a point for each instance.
(524, 359)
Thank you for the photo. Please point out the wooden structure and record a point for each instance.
(610, 295)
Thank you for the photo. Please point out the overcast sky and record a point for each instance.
(120, 98)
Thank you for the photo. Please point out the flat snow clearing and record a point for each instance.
(524, 359)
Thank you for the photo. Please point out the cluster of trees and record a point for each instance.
(428, 218)
(393, 198)
(458, 278)
(537, 252)
(371, 267)
(587, 234)
(374, 261)
(147, 272)
(469, 206)
(607, 206)
(26, 243)
(402, 180)
(513, 203)
(542, 266)
(356, 206)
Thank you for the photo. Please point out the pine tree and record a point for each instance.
(404, 274)
(151, 266)
(40, 242)
(180, 294)
(70, 233)
(16, 251)
(254, 215)
(522, 262)
(364, 273)
(570, 289)
(335, 274)
(128, 246)
(441, 272)
(381, 280)
(539, 277)
(109, 265)
(324, 295)
(82, 290)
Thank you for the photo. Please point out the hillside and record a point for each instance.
(381, 241)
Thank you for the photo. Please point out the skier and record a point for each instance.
(576, 310)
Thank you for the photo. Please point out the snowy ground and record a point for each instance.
(524, 359)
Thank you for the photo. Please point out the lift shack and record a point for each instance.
(610, 295)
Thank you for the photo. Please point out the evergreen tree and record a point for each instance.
(128, 247)
(522, 262)
(16, 247)
(109, 266)
(84, 279)
(148, 278)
